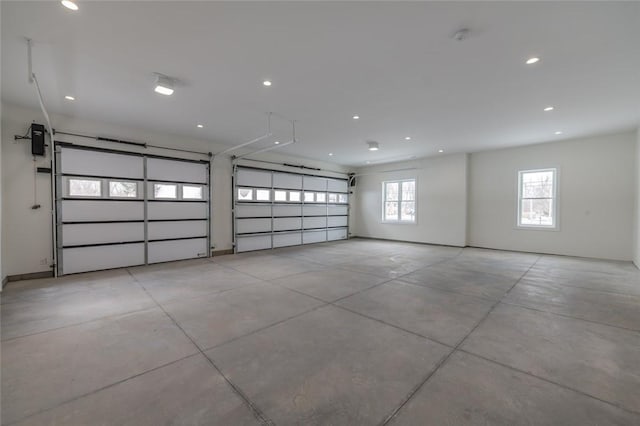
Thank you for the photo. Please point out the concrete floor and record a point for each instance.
(346, 333)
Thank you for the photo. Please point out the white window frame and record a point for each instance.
(555, 207)
(399, 221)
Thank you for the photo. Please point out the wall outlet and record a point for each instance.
(44, 261)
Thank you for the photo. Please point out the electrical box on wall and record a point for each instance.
(37, 139)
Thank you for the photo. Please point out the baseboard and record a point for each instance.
(221, 252)
(5, 280)
(405, 241)
(29, 276)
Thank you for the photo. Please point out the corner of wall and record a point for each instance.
(636, 215)
(467, 202)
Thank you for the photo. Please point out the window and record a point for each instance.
(399, 201)
(263, 195)
(321, 197)
(165, 190)
(245, 194)
(294, 196)
(190, 192)
(123, 189)
(85, 188)
(333, 198)
(309, 197)
(537, 205)
(342, 198)
(280, 195)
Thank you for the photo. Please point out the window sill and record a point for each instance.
(398, 222)
(537, 228)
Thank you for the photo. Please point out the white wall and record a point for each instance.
(636, 234)
(26, 233)
(441, 184)
(596, 197)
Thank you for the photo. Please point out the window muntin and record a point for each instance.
(537, 204)
(245, 194)
(85, 187)
(280, 195)
(123, 189)
(263, 195)
(399, 201)
(165, 190)
(192, 192)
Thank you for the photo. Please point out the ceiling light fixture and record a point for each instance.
(164, 85)
(407, 138)
(549, 108)
(373, 146)
(70, 98)
(277, 142)
(69, 4)
(559, 132)
(441, 151)
(331, 154)
(200, 126)
(356, 117)
(266, 83)
(532, 60)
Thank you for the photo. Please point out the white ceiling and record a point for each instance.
(393, 63)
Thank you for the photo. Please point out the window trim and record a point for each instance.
(555, 217)
(415, 202)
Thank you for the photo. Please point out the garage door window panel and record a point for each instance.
(123, 189)
(83, 187)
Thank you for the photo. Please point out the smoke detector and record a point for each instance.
(461, 34)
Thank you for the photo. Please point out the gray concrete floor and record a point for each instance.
(346, 333)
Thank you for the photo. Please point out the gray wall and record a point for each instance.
(597, 189)
(596, 185)
(441, 185)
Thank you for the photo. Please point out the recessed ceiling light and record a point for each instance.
(70, 98)
(266, 83)
(441, 151)
(277, 142)
(549, 108)
(69, 4)
(330, 154)
(200, 126)
(559, 132)
(356, 117)
(532, 60)
(373, 146)
(164, 85)
(407, 138)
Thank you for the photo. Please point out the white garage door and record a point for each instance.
(117, 209)
(277, 209)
